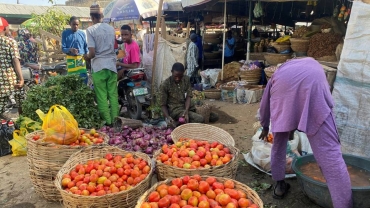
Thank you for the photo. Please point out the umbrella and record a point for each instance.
(130, 9)
(28, 23)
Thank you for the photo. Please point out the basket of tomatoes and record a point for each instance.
(104, 177)
(46, 158)
(200, 191)
(190, 156)
(202, 132)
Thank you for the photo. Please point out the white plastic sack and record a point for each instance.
(305, 144)
(261, 154)
(352, 85)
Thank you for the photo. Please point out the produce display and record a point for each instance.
(271, 69)
(195, 191)
(193, 154)
(85, 138)
(145, 139)
(107, 175)
(323, 44)
(284, 39)
(230, 71)
(300, 32)
(247, 67)
(233, 84)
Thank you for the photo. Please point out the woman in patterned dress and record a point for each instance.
(11, 79)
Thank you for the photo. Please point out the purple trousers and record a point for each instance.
(326, 149)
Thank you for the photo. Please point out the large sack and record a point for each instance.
(352, 85)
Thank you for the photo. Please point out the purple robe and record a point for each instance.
(287, 97)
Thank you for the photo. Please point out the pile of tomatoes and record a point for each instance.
(85, 139)
(192, 154)
(107, 175)
(189, 192)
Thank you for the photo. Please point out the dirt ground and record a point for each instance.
(16, 190)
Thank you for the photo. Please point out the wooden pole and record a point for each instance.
(223, 45)
(159, 14)
(188, 30)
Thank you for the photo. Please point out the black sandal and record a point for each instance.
(275, 196)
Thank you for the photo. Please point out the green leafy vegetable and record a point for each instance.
(68, 91)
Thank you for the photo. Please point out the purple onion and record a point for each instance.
(149, 150)
(137, 148)
(146, 137)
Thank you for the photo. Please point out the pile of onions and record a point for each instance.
(144, 139)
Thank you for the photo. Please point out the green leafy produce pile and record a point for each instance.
(68, 91)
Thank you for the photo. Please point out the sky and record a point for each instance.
(32, 2)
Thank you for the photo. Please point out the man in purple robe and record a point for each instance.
(297, 97)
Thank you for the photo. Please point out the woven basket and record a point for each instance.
(251, 76)
(212, 94)
(45, 160)
(205, 111)
(121, 199)
(227, 170)
(299, 44)
(269, 74)
(276, 58)
(281, 47)
(251, 194)
(202, 132)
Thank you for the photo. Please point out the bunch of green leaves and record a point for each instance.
(68, 91)
(53, 21)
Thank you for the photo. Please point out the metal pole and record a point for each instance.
(223, 44)
(249, 30)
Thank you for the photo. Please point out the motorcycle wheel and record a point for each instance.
(134, 107)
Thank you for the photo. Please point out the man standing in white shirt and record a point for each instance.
(100, 42)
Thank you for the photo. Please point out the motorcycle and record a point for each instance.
(133, 93)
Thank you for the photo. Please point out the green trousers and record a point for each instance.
(105, 87)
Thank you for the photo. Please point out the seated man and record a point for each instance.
(175, 98)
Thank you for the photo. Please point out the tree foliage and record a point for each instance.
(52, 21)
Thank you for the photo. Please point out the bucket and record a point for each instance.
(318, 192)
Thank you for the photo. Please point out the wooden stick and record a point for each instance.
(223, 45)
(159, 14)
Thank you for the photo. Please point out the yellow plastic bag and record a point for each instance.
(59, 125)
(19, 142)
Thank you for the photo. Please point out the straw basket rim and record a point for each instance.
(50, 144)
(229, 140)
(212, 94)
(251, 194)
(91, 155)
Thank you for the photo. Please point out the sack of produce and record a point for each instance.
(59, 125)
(19, 142)
(200, 191)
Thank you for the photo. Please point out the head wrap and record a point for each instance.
(3, 24)
(23, 34)
(96, 9)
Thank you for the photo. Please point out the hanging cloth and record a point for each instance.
(258, 10)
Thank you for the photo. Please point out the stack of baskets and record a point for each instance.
(251, 76)
(269, 71)
(126, 198)
(212, 94)
(203, 132)
(45, 160)
(276, 58)
(280, 47)
(300, 45)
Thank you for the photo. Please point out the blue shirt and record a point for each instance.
(76, 40)
(229, 52)
(200, 46)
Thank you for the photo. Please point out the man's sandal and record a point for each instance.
(286, 189)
